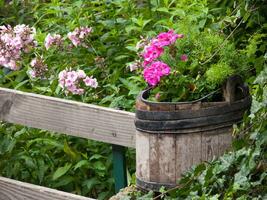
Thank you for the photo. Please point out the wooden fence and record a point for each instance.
(70, 117)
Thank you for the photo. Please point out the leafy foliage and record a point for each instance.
(67, 163)
(218, 73)
(84, 167)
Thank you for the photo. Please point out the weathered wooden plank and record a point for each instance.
(154, 157)
(209, 146)
(188, 152)
(69, 117)
(225, 141)
(16, 190)
(142, 156)
(167, 150)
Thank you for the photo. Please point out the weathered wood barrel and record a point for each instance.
(171, 137)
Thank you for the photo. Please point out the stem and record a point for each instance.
(92, 47)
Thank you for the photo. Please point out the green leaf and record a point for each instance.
(20, 132)
(68, 150)
(61, 171)
(131, 86)
(96, 156)
(99, 165)
(21, 84)
(91, 183)
(81, 164)
(64, 181)
(163, 9)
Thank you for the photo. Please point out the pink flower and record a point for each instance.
(38, 67)
(79, 91)
(81, 74)
(13, 65)
(34, 62)
(71, 81)
(52, 40)
(62, 74)
(134, 66)
(151, 53)
(16, 42)
(90, 81)
(74, 39)
(32, 74)
(13, 43)
(165, 39)
(72, 75)
(180, 36)
(157, 96)
(154, 72)
(78, 36)
(72, 88)
(184, 58)
(62, 83)
(84, 32)
(48, 41)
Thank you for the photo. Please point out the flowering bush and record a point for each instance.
(176, 69)
(53, 40)
(39, 68)
(13, 43)
(78, 36)
(20, 40)
(72, 81)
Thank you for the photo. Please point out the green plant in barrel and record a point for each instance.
(185, 67)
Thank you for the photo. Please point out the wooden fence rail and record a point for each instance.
(69, 117)
(88, 121)
(16, 190)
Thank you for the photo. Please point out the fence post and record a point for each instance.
(119, 167)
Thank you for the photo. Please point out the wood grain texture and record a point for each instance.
(69, 117)
(167, 150)
(142, 156)
(16, 190)
(209, 147)
(154, 156)
(188, 152)
(225, 141)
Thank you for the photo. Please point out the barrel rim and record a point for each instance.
(145, 93)
(202, 111)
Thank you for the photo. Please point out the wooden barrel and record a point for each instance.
(171, 137)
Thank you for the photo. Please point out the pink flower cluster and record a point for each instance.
(78, 36)
(39, 68)
(71, 81)
(14, 42)
(52, 40)
(151, 53)
(155, 48)
(155, 71)
(166, 39)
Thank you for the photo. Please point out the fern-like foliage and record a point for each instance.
(218, 73)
